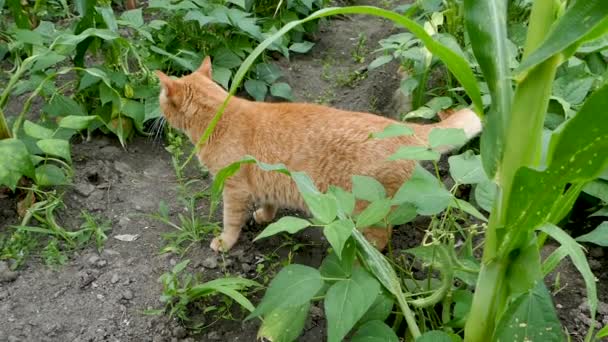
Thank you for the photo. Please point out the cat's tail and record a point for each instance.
(465, 119)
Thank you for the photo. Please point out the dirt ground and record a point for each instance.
(102, 296)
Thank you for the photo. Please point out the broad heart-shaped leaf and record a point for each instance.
(578, 20)
(294, 285)
(485, 192)
(55, 147)
(415, 153)
(393, 130)
(322, 206)
(76, 121)
(302, 47)
(221, 76)
(284, 324)
(402, 214)
(425, 192)
(447, 137)
(466, 168)
(469, 209)
(37, 131)
(577, 154)
(368, 188)
(374, 213)
(486, 24)
(575, 251)
(337, 233)
(380, 61)
(344, 199)
(282, 90)
(380, 309)
(288, 224)
(15, 162)
(337, 267)
(257, 89)
(597, 188)
(133, 17)
(530, 317)
(347, 300)
(598, 236)
(268, 73)
(375, 331)
(50, 175)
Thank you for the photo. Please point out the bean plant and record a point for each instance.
(529, 186)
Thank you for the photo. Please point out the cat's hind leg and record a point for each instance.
(265, 213)
(236, 212)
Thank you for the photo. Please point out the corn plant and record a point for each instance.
(534, 187)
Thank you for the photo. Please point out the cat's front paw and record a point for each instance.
(261, 216)
(222, 243)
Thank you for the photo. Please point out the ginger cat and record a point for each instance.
(330, 145)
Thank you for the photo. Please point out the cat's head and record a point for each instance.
(186, 100)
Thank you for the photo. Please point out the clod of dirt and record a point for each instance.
(114, 278)
(596, 252)
(214, 335)
(6, 275)
(246, 267)
(127, 294)
(124, 222)
(210, 262)
(179, 332)
(86, 277)
(84, 189)
(123, 167)
(96, 261)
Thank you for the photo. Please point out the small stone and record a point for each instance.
(316, 312)
(124, 222)
(214, 335)
(559, 306)
(84, 189)
(210, 262)
(6, 275)
(13, 339)
(114, 278)
(127, 294)
(246, 267)
(179, 332)
(101, 263)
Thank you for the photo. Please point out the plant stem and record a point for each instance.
(5, 133)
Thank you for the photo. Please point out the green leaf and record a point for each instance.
(598, 236)
(439, 103)
(322, 206)
(133, 17)
(73, 40)
(77, 122)
(334, 266)
(37, 131)
(486, 25)
(380, 61)
(182, 62)
(346, 301)
(374, 213)
(226, 59)
(447, 137)
(62, 106)
(337, 233)
(423, 112)
(222, 76)
(302, 47)
(578, 20)
(466, 168)
(602, 332)
(294, 285)
(268, 73)
(375, 331)
(463, 300)
(288, 224)
(368, 188)
(469, 209)
(240, 3)
(393, 130)
(284, 324)
(282, 90)
(28, 37)
(136, 111)
(15, 162)
(50, 175)
(415, 153)
(379, 310)
(485, 192)
(530, 317)
(403, 214)
(50, 58)
(435, 336)
(597, 188)
(344, 199)
(56, 147)
(257, 89)
(425, 192)
(108, 17)
(602, 212)
(575, 251)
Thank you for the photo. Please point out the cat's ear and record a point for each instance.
(205, 67)
(166, 83)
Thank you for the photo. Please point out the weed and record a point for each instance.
(52, 254)
(360, 50)
(350, 79)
